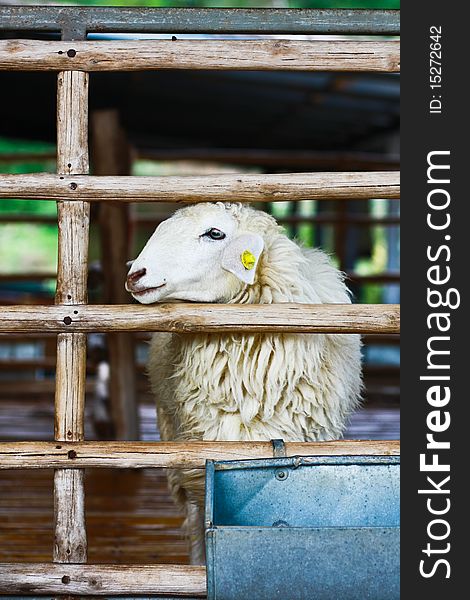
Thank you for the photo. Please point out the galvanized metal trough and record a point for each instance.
(310, 528)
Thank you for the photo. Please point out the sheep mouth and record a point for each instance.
(145, 291)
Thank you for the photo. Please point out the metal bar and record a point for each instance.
(188, 454)
(200, 20)
(192, 318)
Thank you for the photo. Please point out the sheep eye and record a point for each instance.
(214, 234)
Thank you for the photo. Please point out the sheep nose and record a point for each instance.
(133, 278)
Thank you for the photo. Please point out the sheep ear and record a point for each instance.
(241, 256)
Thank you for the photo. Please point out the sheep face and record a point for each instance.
(200, 254)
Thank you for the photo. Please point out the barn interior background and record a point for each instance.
(178, 123)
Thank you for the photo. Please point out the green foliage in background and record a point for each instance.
(9, 146)
(12, 147)
(26, 247)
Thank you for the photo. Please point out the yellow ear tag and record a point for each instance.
(248, 260)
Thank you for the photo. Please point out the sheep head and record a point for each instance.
(203, 253)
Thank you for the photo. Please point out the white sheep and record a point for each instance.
(299, 387)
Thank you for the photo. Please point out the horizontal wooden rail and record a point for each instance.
(28, 157)
(144, 220)
(114, 19)
(101, 580)
(31, 219)
(15, 364)
(32, 387)
(7, 279)
(386, 340)
(310, 160)
(326, 160)
(376, 278)
(22, 277)
(142, 336)
(205, 188)
(383, 370)
(50, 364)
(140, 455)
(352, 220)
(193, 318)
(33, 55)
(9, 338)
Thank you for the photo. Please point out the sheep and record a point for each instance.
(298, 387)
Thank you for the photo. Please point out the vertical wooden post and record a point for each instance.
(70, 543)
(340, 235)
(111, 156)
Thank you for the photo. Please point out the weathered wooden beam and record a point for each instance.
(141, 455)
(193, 318)
(111, 155)
(13, 364)
(199, 20)
(279, 55)
(298, 159)
(356, 220)
(151, 221)
(384, 277)
(33, 337)
(386, 340)
(12, 389)
(70, 542)
(43, 387)
(32, 219)
(204, 188)
(309, 160)
(21, 277)
(101, 580)
(26, 157)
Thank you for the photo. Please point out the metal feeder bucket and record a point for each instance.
(309, 528)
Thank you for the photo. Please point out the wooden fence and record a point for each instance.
(71, 318)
